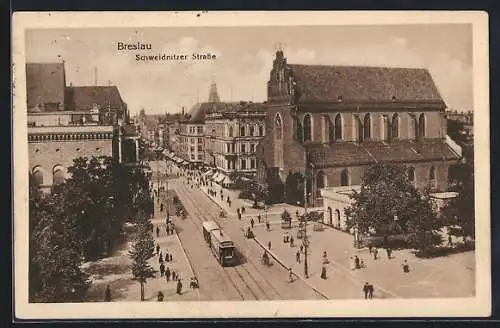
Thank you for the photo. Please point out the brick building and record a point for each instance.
(338, 120)
(69, 122)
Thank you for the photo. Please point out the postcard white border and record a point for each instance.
(478, 306)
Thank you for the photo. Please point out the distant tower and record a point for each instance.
(213, 96)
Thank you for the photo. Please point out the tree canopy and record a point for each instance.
(388, 203)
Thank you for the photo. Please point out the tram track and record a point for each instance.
(258, 285)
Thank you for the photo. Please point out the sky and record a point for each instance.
(244, 58)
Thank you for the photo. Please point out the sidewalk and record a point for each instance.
(452, 276)
(179, 264)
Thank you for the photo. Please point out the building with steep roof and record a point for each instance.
(338, 120)
(66, 122)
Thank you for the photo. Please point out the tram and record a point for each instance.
(221, 245)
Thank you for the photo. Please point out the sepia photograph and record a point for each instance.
(251, 165)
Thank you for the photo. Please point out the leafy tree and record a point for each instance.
(388, 204)
(459, 213)
(35, 199)
(142, 251)
(57, 254)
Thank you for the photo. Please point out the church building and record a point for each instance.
(339, 120)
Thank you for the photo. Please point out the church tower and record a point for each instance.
(213, 97)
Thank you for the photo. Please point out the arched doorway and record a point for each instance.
(344, 178)
(337, 218)
(330, 216)
(38, 175)
(59, 175)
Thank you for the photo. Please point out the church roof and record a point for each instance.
(320, 83)
(45, 83)
(84, 97)
(348, 154)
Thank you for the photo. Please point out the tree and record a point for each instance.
(388, 204)
(57, 254)
(35, 199)
(142, 251)
(459, 213)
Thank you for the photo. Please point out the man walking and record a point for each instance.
(157, 232)
(297, 256)
(269, 245)
(167, 274)
(179, 287)
(268, 226)
(259, 218)
(450, 241)
(375, 253)
(389, 251)
(162, 269)
(107, 294)
(370, 291)
(252, 222)
(157, 249)
(366, 288)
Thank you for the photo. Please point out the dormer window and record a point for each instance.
(339, 98)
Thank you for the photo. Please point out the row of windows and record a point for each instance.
(58, 175)
(390, 127)
(345, 178)
(196, 129)
(249, 130)
(230, 148)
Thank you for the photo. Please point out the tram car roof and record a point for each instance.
(210, 225)
(221, 237)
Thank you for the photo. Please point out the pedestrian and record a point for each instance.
(107, 294)
(157, 249)
(252, 222)
(162, 269)
(450, 241)
(366, 288)
(166, 256)
(370, 248)
(370, 291)
(179, 287)
(302, 248)
(268, 226)
(160, 260)
(243, 209)
(323, 272)
(174, 275)
(406, 267)
(160, 297)
(171, 257)
(229, 203)
(259, 218)
(161, 207)
(167, 274)
(239, 216)
(297, 256)
(375, 253)
(356, 262)
(157, 231)
(291, 241)
(388, 250)
(290, 275)
(269, 245)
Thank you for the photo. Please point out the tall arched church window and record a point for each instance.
(261, 130)
(367, 122)
(344, 178)
(242, 131)
(278, 141)
(359, 129)
(307, 123)
(299, 132)
(395, 126)
(231, 131)
(412, 127)
(421, 126)
(411, 175)
(432, 178)
(338, 127)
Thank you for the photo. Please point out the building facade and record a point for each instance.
(338, 120)
(232, 133)
(69, 122)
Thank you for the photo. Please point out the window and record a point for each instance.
(395, 126)
(38, 176)
(252, 148)
(344, 178)
(58, 176)
(252, 163)
(432, 177)
(228, 147)
(200, 148)
(200, 140)
(359, 128)
(278, 141)
(421, 126)
(252, 130)
(243, 164)
(261, 130)
(243, 148)
(338, 127)
(230, 131)
(385, 127)
(411, 175)
(307, 124)
(367, 122)
(192, 141)
(199, 129)
(192, 157)
(199, 157)
(242, 131)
